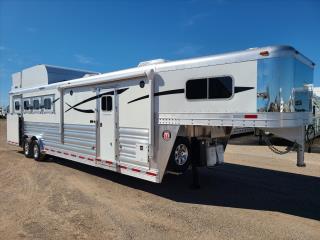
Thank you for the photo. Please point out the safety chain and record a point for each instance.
(274, 149)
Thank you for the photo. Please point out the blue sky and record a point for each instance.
(109, 35)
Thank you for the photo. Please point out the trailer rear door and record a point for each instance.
(14, 121)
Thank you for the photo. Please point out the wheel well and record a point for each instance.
(34, 138)
(171, 165)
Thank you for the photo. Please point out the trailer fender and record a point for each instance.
(40, 141)
(165, 137)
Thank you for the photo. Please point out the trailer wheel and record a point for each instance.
(37, 155)
(181, 155)
(27, 148)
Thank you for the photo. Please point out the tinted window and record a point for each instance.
(196, 89)
(36, 104)
(26, 105)
(17, 105)
(47, 103)
(106, 103)
(220, 87)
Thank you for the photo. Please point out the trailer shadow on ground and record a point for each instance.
(229, 185)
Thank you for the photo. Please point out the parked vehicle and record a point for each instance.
(3, 112)
(150, 119)
(313, 129)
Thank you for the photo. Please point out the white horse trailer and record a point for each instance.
(148, 120)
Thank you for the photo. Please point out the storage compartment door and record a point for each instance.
(134, 123)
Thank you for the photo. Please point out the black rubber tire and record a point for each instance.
(173, 165)
(37, 155)
(27, 148)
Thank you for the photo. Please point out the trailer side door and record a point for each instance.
(106, 125)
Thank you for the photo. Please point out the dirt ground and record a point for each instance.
(254, 195)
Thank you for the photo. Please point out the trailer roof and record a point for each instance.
(54, 67)
(231, 57)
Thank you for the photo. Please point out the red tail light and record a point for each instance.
(251, 116)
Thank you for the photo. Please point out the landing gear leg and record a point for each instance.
(195, 155)
(300, 148)
(260, 139)
(300, 155)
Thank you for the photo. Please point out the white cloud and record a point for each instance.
(188, 50)
(80, 58)
(195, 18)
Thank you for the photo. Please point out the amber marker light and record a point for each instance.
(264, 53)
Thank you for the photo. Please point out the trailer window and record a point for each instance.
(16, 105)
(36, 104)
(197, 89)
(26, 105)
(209, 88)
(47, 103)
(220, 87)
(106, 103)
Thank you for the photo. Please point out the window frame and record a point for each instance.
(14, 105)
(112, 106)
(33, 109)
(42, 107)
(210, 99)
(30, 108)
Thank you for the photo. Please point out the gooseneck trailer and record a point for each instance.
(160, 115)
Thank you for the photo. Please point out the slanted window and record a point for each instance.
(36, 104)
(17, 106)
(26, 105)
(209, 88)
(106, 103)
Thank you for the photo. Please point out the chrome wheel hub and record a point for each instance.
(181, 154)
(26, 148)
(35, 151)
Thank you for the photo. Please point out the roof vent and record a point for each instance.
(151, 62)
